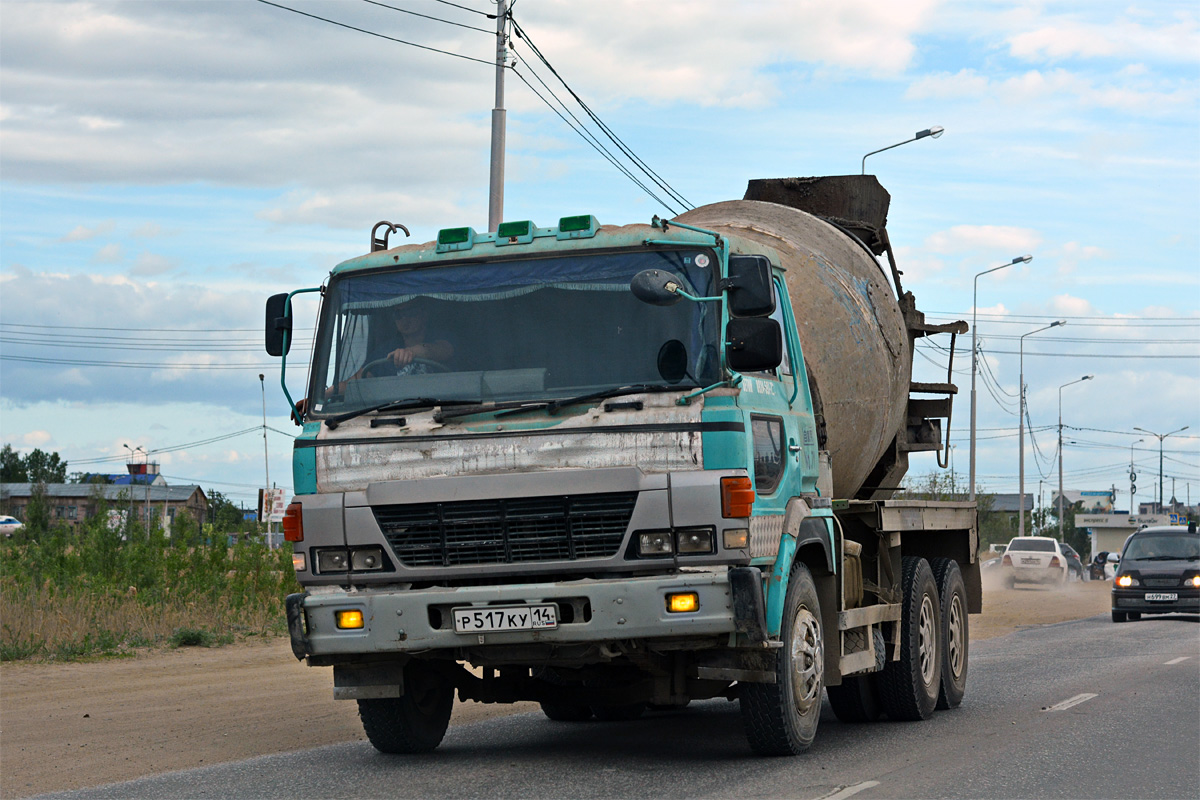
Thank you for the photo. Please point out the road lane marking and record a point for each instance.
(1072, 702)
(1177, 660)
(850, 791)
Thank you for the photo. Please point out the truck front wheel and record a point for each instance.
(781, 719)
(909, 687)
(416, 721)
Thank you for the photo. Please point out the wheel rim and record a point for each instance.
(927, 642)
(808, 660)
(954, 644)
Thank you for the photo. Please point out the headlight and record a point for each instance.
(360, 559)
(332, 560)
(367, 559)
(695, 540)
(1193, 581)
(659, 543)
(1125, 581)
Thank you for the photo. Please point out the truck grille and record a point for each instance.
(507, 530)
(1161, 582)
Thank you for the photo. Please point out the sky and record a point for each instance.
(165, 167)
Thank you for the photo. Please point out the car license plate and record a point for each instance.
(484, 619)
(1031, 561)
(1162, 596)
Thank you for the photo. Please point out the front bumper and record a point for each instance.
(1126, 600)
(399, 621)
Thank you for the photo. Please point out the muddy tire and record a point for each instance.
(781, 719)
(956, 637)
(414, 722)
(909, 687)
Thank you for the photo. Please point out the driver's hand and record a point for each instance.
(401, 357)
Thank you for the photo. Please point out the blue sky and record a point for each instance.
(166, 166)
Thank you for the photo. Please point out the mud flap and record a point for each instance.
(749, 609)
(296, 627)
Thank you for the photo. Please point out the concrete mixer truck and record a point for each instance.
(618, 469)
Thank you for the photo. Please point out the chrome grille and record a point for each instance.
(507, 531)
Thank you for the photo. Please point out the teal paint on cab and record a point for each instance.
(725, 449)
(777, 585)
(304, 462)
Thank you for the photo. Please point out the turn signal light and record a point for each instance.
(737, 497)
(293, 523)
(1006, 561)
(1054, 562)
(683, 602)
(349, 619)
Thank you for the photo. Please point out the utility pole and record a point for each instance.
(1060, 453)
(496, 183)
(1160, 437)
(1021, 426)
(1132, 478)
(266, 461)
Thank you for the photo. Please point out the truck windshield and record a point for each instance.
(530, 329)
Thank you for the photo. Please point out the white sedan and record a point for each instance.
(1034, 559)
(9, 525)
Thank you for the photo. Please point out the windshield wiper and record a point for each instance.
(552, 406)
(393, 405)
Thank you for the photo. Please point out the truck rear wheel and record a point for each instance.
(909, 687)
(781, 719)
(956, 637)
(416, 721)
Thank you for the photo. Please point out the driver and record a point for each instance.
(415, 350)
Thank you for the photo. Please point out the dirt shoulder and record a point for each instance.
(68, 726)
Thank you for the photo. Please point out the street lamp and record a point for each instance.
(1160, 437)
(1132, 482)
(932, 133)
(132, 460)
(1025, 259)
(1060, 453)
(1021, 424)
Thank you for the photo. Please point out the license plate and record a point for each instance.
(1162, 596)
(1031, 561)
(483, 619)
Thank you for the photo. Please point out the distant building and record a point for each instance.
(71, 503)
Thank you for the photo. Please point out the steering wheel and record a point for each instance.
(435, 365)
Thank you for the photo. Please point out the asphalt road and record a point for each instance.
(1085, 709)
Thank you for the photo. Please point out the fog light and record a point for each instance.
(695, 540)
(332, 561)
(349, 619)
(366, 559)
(683, 602)
(659, 543)
(299, 562)
(736, 538)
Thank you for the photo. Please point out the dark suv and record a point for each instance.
(1159, 574)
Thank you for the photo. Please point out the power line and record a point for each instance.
(79, 362)
(642, 165)
(379, 35)
(426, 16)
(465, 8)
(1093, 355)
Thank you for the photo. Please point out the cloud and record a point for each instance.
(81, 233)
(109, 254)
(1060, 38)
(36, 438)
(148, 230)
(149, 264)
(964, 238)
(360, 209)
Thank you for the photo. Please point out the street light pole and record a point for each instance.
(1132, 483)
(1160, 437)
(1060, 452)
(1025, 259)
(933, 133)
(1021, 425)
(496, 176)
(268, 497)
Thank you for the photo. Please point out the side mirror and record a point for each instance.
(753, 344)
(749, 286)
(656, 287)
(278, 323)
